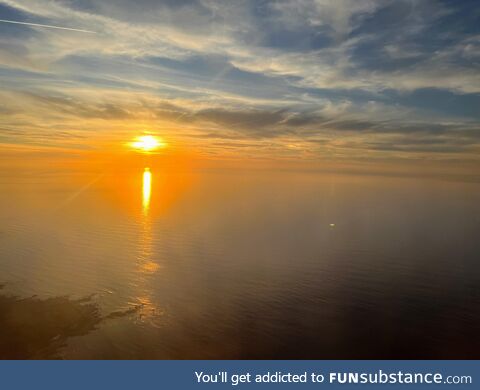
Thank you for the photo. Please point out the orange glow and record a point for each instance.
(148, 143)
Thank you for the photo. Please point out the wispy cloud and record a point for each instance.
(308, 76)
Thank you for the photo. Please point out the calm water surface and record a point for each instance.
(152, 264)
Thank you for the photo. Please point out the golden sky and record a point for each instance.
(319, 81)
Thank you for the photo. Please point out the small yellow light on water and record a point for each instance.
(332, 225)
(148, 143)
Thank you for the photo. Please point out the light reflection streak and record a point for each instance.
(147, 190)
(146, 265)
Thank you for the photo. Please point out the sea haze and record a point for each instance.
(152, 264)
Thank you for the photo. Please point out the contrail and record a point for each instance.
(47, 26)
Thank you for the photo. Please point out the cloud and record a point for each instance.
(390, 76)
(337, 18)
(342, 126)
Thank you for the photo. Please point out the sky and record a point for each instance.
(313, 80)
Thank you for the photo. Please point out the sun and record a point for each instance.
(147, 143)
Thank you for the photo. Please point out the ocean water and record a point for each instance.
(152, 264)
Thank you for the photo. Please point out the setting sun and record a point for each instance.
(148, 143)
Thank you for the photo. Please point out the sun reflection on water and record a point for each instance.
(147, 190)
(147, 266)
(146, 263)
